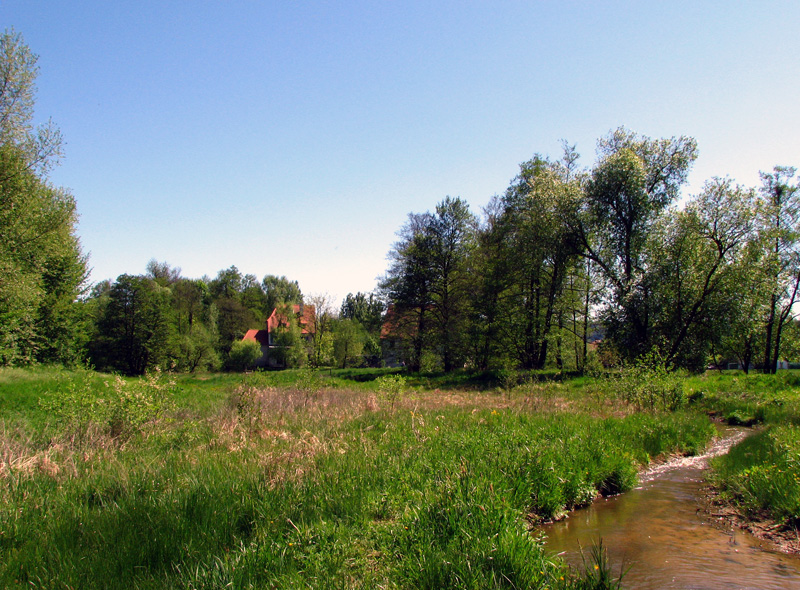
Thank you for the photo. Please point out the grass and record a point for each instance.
(296, 479)
(761, 475)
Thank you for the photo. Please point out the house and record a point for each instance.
(397, 333)
(304, 315)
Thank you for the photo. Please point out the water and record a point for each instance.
(658, 532)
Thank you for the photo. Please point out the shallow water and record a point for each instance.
(657, 531)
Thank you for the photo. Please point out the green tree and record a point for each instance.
(349, 337)
(365, 308)
(280, 291)
(320, 316)
(288, 349)
(408, 285)
(197, 350)
(233, 321)
(542, 249)
(162, 273)
(635, 180)
(781, 225)
(42, 269)
(453, 232)
(243, 355)
(134, 332)
(695, 256)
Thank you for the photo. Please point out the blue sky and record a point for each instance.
(293, 138)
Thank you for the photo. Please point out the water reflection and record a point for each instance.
(658, 532)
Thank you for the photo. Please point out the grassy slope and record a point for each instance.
(284, 480)
(761, 475)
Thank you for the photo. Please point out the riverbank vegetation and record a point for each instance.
(299, 478)
(758, 481)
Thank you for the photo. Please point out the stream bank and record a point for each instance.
(662, 535)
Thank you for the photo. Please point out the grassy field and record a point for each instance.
(337, 479)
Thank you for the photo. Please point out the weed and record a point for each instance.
(391, 388)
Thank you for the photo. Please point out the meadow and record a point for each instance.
(338, 479)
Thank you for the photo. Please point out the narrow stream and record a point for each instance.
(657, 532)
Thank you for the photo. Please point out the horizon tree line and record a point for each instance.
(565, 251)
(564, 256)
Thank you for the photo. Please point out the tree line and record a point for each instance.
(569, 255)
(49, 314)
(566, 258)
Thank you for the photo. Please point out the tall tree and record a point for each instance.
(781, 225)
(280, 291)
(320, 316)
(543, 247)
(42, 269)
(635, 180)
(365, 308)
(695, 256)
(135, 328)
(453, 231)
(408, 285)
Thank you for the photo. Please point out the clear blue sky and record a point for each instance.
(293, 138)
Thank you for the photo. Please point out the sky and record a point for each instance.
(294, 138)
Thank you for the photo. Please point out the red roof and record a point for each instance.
(305, 315)
(260, 336)
(399, 324)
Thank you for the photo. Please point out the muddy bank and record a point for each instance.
(779, 536)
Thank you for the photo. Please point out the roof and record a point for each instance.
(260, 336)
(305, 314)
(399, 324)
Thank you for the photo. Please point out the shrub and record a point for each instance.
(391, 388)
(649, 385)
(243, 355)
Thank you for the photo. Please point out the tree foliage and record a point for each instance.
(42, 268)
(135, 327)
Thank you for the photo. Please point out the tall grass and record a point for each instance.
(762, 474)
(302, 485)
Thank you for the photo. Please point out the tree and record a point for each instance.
(233, 321)
(42, 269)
(287, 350)
(40, 148)
(243, 355)
(781, 226)
(280, 291)
(197, 350)
(491, 266)
(162, 272)
(636, 179)
(453, 231)
(542, 248)
(696, 255)
(366, 309)
(227, 284)
(135, 327)
(408, 285)
(320, 317)
(348, 342)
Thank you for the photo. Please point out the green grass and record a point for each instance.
(294, 479)
(762, 474)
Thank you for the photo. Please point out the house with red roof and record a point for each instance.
(304, 315)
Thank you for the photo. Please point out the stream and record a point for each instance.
(657, 533)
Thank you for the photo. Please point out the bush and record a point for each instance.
(649, 385)
(391, 388)
(243, 355)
